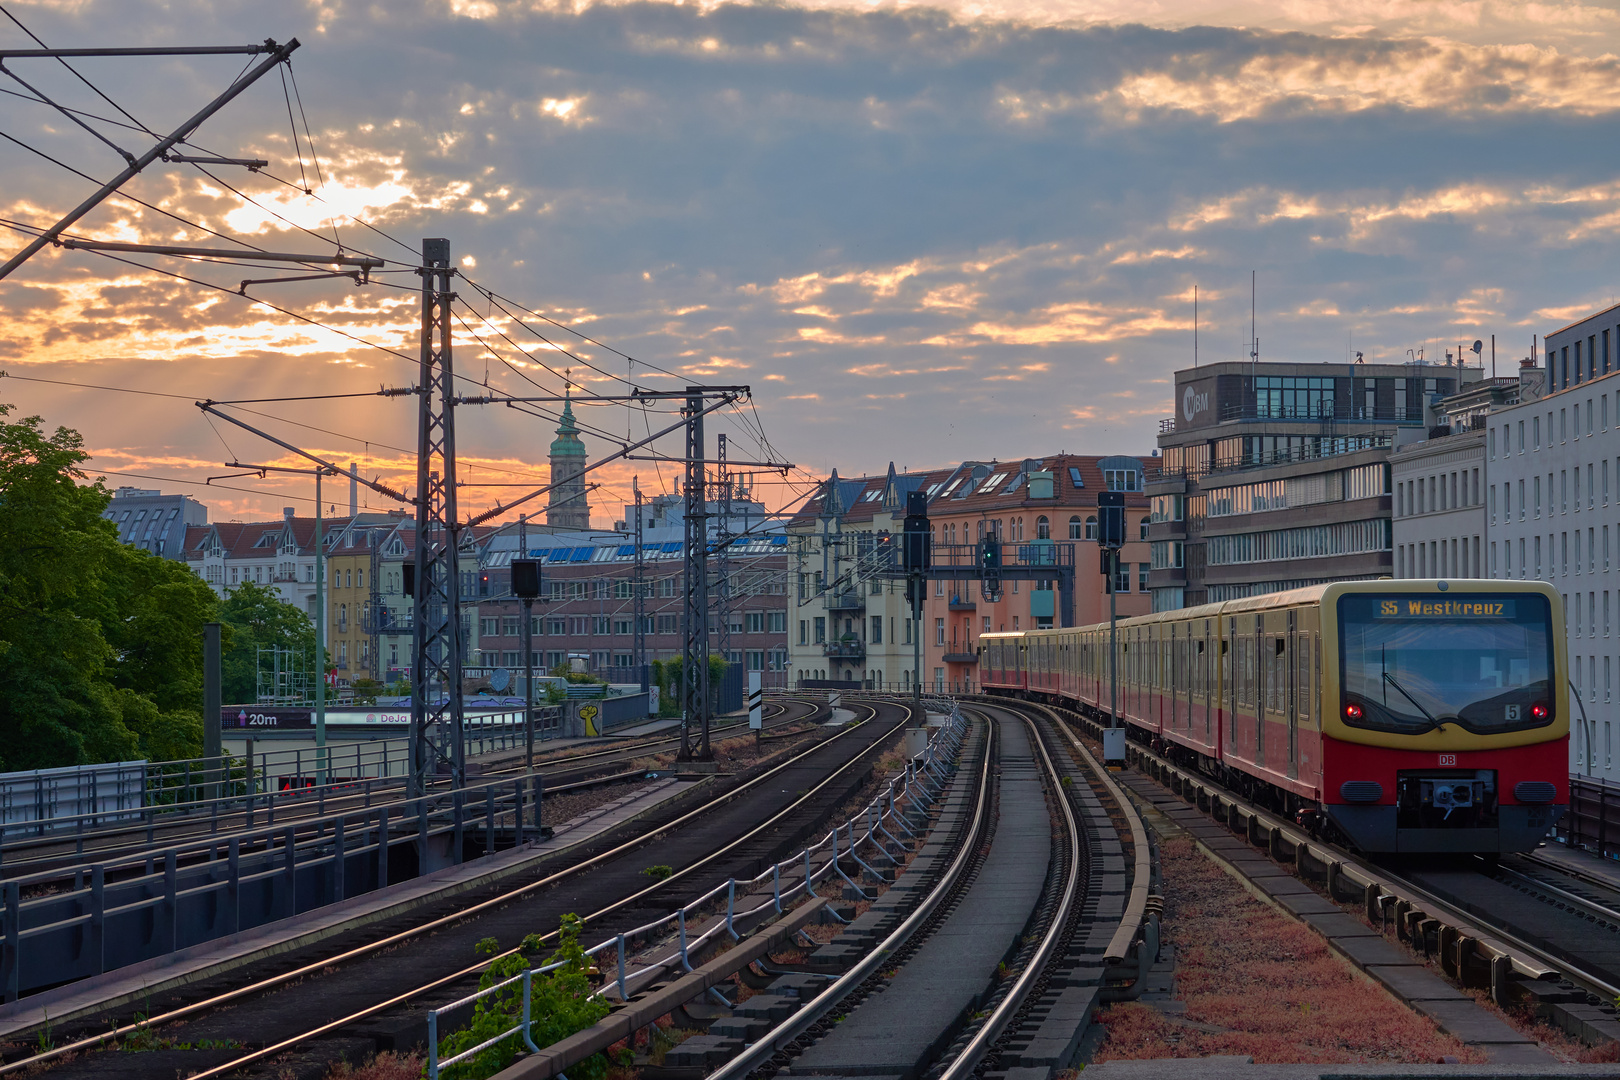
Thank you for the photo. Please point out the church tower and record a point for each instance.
(568, 508)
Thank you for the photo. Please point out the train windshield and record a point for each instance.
(1414, 663)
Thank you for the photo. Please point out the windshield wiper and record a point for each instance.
(1433, 723)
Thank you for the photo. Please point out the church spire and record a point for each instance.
(567, 508)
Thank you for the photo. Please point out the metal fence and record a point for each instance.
(871, 831)
(1593, 820)
(80, 920)
(108, 792)
(249, 783)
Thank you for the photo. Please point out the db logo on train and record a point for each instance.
(1448, 760)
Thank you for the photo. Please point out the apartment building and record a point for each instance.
(853, 623)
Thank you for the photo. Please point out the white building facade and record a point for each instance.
(1552, 467)
(1439, 511)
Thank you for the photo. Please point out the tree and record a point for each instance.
(259, 618)
(100, 644)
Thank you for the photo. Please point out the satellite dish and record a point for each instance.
(500, 680)
(1478, 346)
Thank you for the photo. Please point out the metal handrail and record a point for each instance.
(760, 1052)
(946, 740)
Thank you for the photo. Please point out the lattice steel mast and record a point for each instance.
(436, 714)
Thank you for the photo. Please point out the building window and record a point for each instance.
(877, 630)
(1091, 527)
(821, 630)
(939, 631)
(804, 632)
(1143, 529)
(1142, 576)
(1077, 530)
(1043, 527)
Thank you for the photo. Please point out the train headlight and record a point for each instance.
(1352, 711)
(1539, 711)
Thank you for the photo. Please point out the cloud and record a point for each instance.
(996, 213)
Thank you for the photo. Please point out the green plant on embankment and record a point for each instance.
(560, 1005)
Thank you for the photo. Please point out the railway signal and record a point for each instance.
(916, 555)
(1111, 537)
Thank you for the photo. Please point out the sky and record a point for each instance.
(921, 233)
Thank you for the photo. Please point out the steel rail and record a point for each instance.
(1569, 872)
(359, 952)
(1013, 1001)
(1142, 867)
(818, 1007)
(1526, 958)
(1591, 907)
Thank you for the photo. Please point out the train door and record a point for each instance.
(1229, 677)
(1264, 659)
(1206, 658)
(1294, 689)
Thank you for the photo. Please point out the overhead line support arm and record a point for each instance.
(210, 408)
(278, 54)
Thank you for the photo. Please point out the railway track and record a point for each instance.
(563, 770)
(1022, 909)
(1527, 932)
(338, 1011)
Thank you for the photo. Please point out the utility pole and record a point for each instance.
(639, 591)
(528, 648)
(436, 721)
(695, 700)
(722, 541)
(320, 640)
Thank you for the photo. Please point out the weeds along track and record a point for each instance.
(1527, 932)
(364, 993)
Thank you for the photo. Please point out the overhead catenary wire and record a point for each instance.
(495, 300)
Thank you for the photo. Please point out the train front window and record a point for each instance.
(1414, 663)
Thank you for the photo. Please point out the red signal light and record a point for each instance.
(1352, 711)
(1539, 711)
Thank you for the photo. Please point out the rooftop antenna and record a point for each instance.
(1254, 342)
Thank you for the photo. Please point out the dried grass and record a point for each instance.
(385, 1066)
(1256, 982)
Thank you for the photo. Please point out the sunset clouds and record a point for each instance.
(920, 232)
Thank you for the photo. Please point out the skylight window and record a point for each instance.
(990, 484)
(1074, 474)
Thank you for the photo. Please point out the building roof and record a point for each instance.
(974, 487)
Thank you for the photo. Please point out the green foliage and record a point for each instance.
(258, 617)
(659, 872)
(100, 643)
(366, 691)
(669, 674)
(560, 1004)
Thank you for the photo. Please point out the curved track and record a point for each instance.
(988, 969)
(369, 995)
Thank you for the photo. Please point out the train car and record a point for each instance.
(1398, 716)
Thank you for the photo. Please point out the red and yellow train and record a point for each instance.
(1399, 716)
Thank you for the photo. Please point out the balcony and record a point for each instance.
(849, 649)
(846, 600)
(954, 657)
(959, 604)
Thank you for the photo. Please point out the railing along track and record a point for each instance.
(361, 952)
